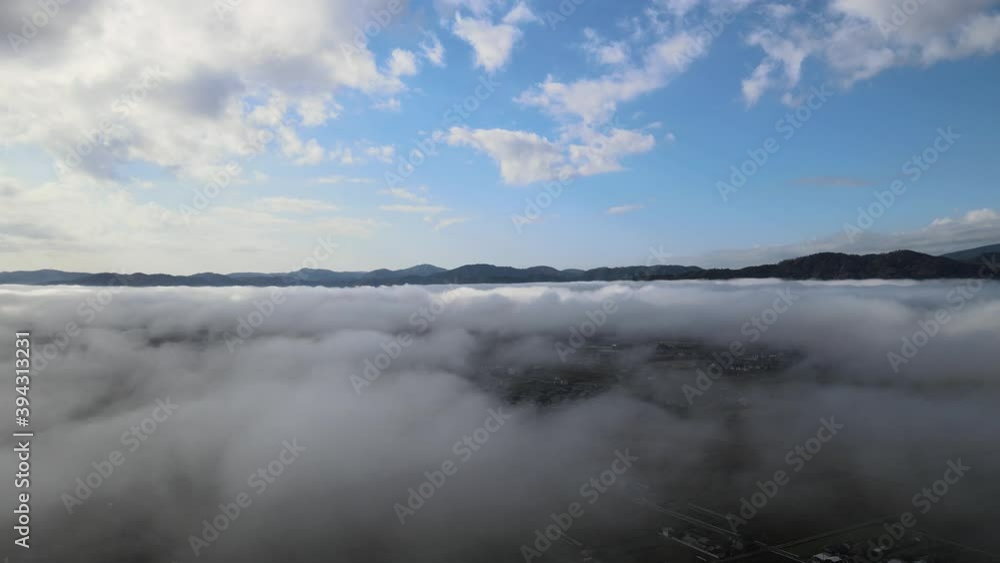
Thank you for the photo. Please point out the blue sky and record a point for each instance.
(633, 112)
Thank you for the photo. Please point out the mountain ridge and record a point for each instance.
(975, 255)
(899, 264)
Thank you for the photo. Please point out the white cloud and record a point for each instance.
(478, 7)
(445, 223)
(345, 156)
(678, 7)
(602, 51)
(391, 104)
(757, 83)
(597, 153)
(293, 205)
(623, 209)
(312, 153)
(404, 194)
(316, 110)
(595, 100)
(432, 50)
(492, 42)
(361, 152)
(857, 39)
(520, 14)
(211, 68)
(523, 157)
(298, 152)
(384, 153)
(526, 157)
(972, 218)
(779, 12)
(418, 205)
(422, 209)
(342, 180)
(93, 225)
(782, 53)
(402, 63)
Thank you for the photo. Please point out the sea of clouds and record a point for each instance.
(186, 402)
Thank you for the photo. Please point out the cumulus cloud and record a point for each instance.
(595, 100)
(603, 51)
(383, 153)
(242, 392)
(585, 107)
(317, 110)
(857, 39)
(201, 66)
(402, 63)
(493, 41)
(525, 157)
(360, 152)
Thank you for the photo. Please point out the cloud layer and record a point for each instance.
(286, 374)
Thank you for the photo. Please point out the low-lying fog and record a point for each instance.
(321, 409)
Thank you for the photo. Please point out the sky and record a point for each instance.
(239, 135)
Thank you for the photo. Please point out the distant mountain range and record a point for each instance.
(901, 264)
(976, 255)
